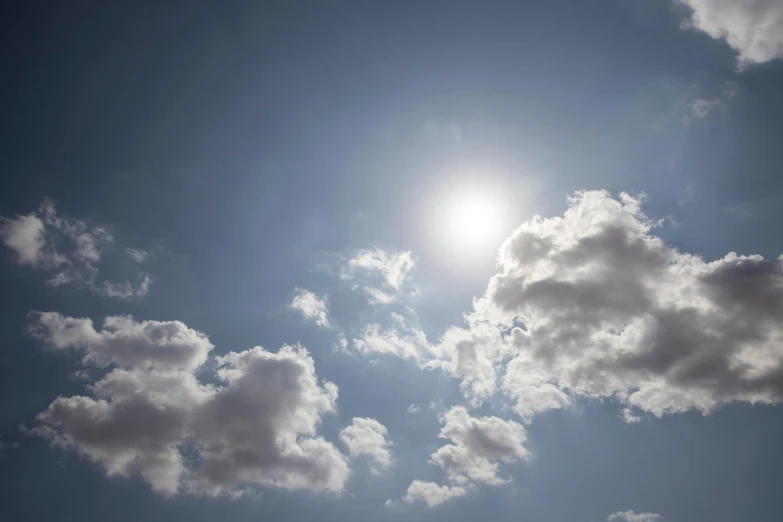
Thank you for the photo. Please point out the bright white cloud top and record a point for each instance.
(311, 307)
(392, 267)
(754, 28)
(478, 446)
(630, 516)
(367, 438)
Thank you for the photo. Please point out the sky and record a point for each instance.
(403, 260)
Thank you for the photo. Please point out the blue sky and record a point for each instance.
(392, 260)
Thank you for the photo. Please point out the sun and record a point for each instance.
(471, 220)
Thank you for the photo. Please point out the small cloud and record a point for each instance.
(628, 416)
(367, 438)
(376, 296)
(413, 409)
(630, 516)
(392, 267)
(311, 307)
(701, 108)
(138, 255)
(69, 249)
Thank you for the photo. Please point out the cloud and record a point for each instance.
(149, 414)
(701, 108)
(608, 309)
(68, 249)
(754, 28)
(628, 416)
(393, 268)
(124, 342)
(592, 304)
(138, 255)
(367, 438)
(432, 494)
(24, 235)
(399, 340)
(630, 516)
(126, 289)
(479, 445)
(377, 296)
(4, 446)
(413, 409)
(311, 307)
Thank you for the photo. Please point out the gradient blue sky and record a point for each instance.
(240, 154)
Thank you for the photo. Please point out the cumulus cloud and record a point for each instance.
(630, 516)
(592, 304)
(367, 438)
(399, 339)
(608, 309)
(479, 445)
(393, 268)
(431, 493)
(311, 307)
(68, 249)
(754, 28)
(24, 235)
(149, 414)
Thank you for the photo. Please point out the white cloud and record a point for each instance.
(432, 494)
(377, 296)
(311, 307)
(126, 289)
(701, 108)
(24, 235)
(400, 341)
(367, 438)
(124, 342)
(257, 426)
(630, 516)
(754, 28)
(628, 416)
(609, 309)
(138, 255)
(393, 268)
(592, 304)
(68, 249)
(479, 445)
(413, 409)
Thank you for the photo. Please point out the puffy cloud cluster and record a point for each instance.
(608, 309)
(754, 28)
(593, 304)
(150, 415)
(478, 446)
(311, 307)
(367, 438)
(630, 516)
(68, 249)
